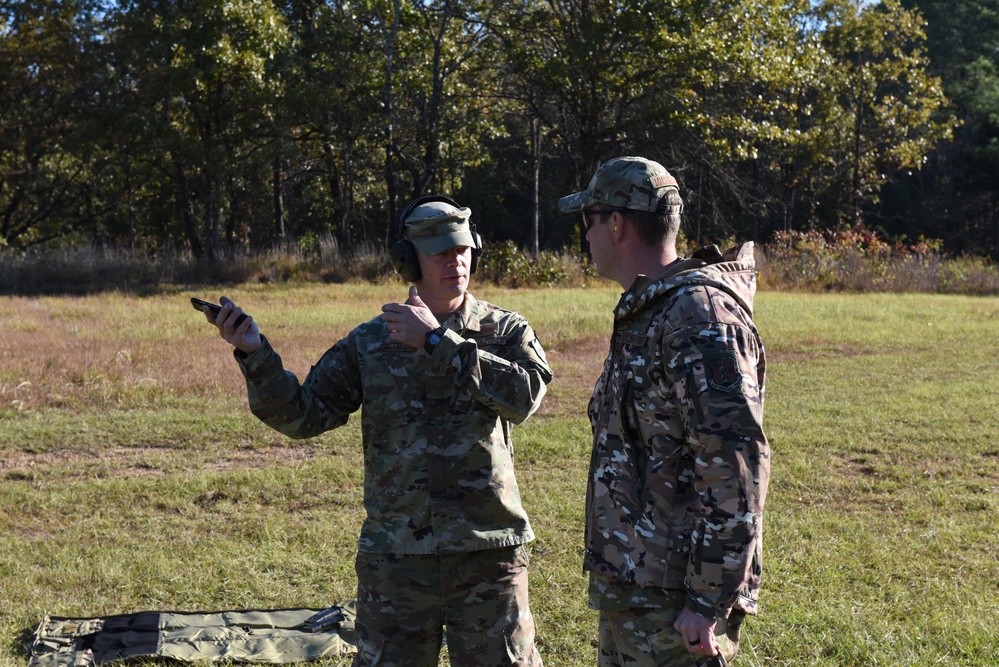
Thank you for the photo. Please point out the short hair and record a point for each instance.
(659, 227)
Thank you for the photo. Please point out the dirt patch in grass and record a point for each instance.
(576, 366)
(817, 349)
(144, 461)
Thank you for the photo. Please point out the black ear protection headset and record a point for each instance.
(404, 253)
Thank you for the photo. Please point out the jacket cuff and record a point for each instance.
(445, 349)
(253, 362)
(704, 606)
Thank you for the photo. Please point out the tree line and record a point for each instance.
(219, 126)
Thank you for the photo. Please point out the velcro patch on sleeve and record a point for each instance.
(722, 371)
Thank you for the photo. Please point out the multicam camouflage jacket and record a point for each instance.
(680, 463)
(438, 456)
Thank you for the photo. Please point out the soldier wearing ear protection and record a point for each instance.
(433, 224)
(442, 377)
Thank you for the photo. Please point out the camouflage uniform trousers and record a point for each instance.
(479, 596)
(645, 638)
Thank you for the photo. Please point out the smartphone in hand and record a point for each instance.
(198, 304)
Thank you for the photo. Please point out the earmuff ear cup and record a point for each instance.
(405, 260)
(476, 251)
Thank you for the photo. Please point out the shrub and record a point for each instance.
(849, 259)
(507, 265)
(858, 259)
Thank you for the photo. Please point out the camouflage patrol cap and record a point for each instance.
(435, 226)
(625, 182)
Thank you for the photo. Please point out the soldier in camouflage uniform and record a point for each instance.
(680, 462)
(441, 379)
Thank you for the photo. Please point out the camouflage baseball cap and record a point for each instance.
(435, 226)
(624, 182)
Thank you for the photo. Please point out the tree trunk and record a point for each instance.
(390, 183)
(856, 176)
(344, 235)
(279, 215)
(187, 211)
(536, 178)
(213, 221)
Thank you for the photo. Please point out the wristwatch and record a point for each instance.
(433, 337)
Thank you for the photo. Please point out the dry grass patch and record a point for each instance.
(146, 461)
(576, 366)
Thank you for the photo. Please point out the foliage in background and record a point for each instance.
(507, 265)
(858, 260)
(849, 256)
(885, 112)
(849, 259)
(216, 126)
(954, 195)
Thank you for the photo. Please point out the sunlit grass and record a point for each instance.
(132, 476)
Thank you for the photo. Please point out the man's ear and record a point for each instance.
(617, 225)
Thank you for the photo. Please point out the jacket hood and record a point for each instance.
(733, 271)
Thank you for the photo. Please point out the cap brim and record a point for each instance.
(576, 202)
(436, 244)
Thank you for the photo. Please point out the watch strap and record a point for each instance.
(433, 337)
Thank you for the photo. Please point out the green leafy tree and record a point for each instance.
(700, 85)
(582, 70)
(198, 87)
(955, 196)
(885, 116)
(439, 94)
(48, 75)
(330, 121)
(757, 104)
(744, 75)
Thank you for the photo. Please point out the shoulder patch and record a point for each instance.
(722, 370)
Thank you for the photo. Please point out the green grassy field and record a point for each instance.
(132, 476)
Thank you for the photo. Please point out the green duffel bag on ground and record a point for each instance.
(249, 636)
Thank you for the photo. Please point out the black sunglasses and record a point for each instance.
(587, 223)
